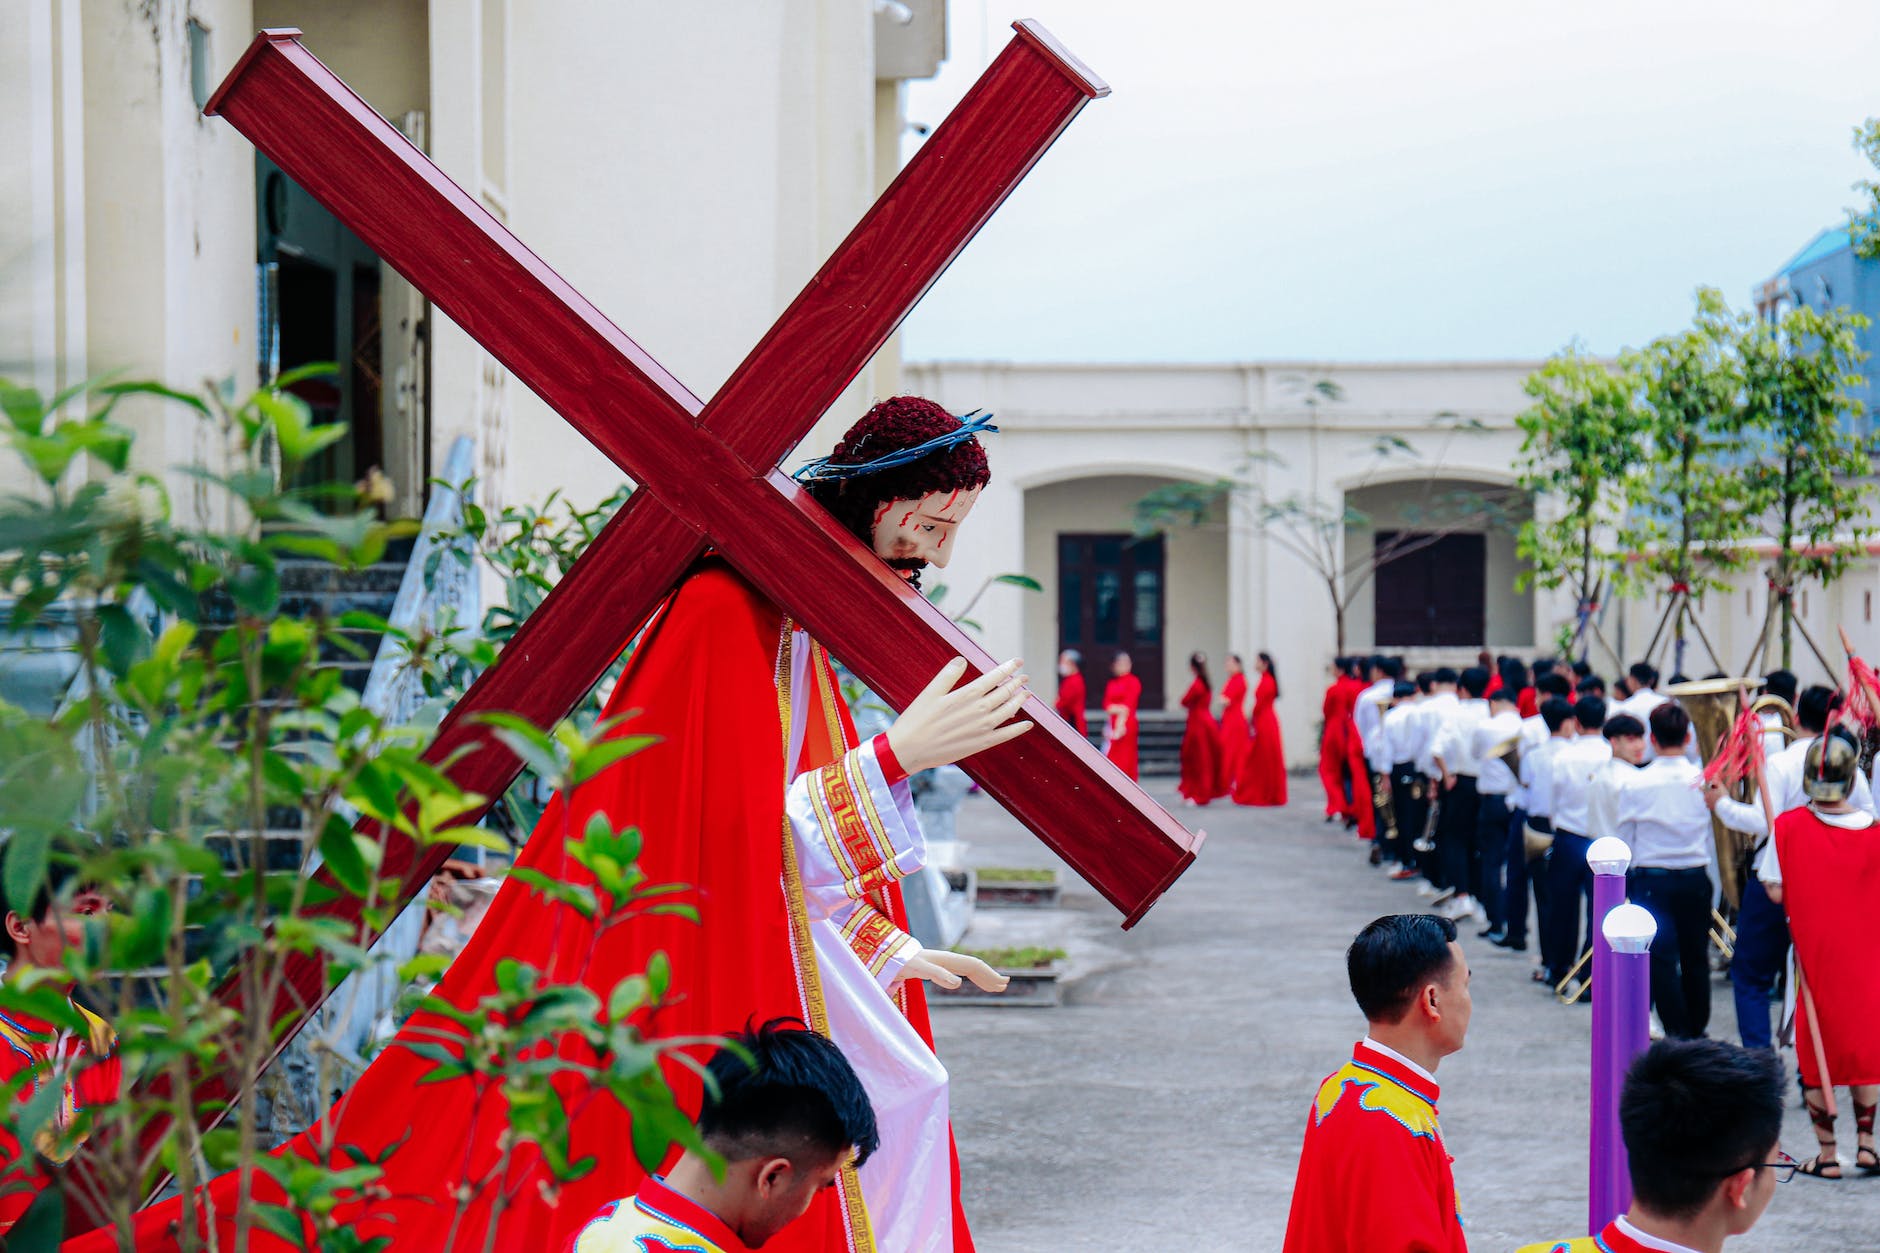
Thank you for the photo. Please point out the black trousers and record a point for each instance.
(1762, 941)
(1455, 834)
(1679, 901)
(1488, 859)
(1522, 875)
(1409, 801)
(1569, 899)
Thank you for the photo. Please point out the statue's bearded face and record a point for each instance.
(910, 534)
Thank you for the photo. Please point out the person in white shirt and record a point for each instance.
(1457, 766)
(1663, 818)
(1537, 807)
(1435, 708)
(1368, 714)
(1702, 1126)
(1495, 784)
(1625, 735)
(1783, 684)
(1404, 737)
(1762, 930)
(1569, 879)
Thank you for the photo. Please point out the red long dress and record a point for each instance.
(1201, 745)
(1336, 710)
(709, 796)
(1120, 743)
(1262, 778)
(1234, 732)
(1830, 879)
(1070, 701)
(1357, 770)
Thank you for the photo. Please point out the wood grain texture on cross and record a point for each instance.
(707, 472)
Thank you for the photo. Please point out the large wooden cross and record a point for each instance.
(707, 472)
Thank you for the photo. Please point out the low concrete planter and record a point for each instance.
(1034, 987)
(995, 892)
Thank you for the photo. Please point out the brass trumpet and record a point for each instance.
(1560, 989)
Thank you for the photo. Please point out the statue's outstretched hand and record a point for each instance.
(945, 723)
(937, 965)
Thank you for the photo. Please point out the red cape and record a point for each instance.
(709, 799)
(1830, 881)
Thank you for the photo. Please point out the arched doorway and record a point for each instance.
(1107, 589)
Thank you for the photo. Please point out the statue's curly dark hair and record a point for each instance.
(898, 422)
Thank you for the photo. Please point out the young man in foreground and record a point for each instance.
(1374, 1176)
(1702, 1120)
(785, 1123)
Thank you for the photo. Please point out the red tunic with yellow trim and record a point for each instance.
(1374, 1176)
(653, 1220)
(791, 840)
(33, 1054)
(1612, 1240)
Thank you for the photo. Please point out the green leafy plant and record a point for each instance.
(207, 765)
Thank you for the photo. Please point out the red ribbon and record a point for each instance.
(1680, 589)
(1740, 756)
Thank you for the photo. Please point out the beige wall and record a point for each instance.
(1194, 589)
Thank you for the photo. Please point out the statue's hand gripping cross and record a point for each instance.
(707, 473)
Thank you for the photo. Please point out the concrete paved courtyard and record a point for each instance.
(1161, 1107)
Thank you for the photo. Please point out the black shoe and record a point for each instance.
(1494, 935)
(1377, 853)
(1513, 946)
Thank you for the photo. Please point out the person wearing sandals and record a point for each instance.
(1823, 868)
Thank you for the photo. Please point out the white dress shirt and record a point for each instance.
(1454, 739)
(1783, 773)
(1660, 814)
(1406, 735)
(1493, 778)
(1369, 715)
(1537, 777)
(1769, 866)
(1400, 1059)
(1434, 711)
(1574, 766)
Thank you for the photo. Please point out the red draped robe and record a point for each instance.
(1335, 710)
(710, 798)
(1830, 882)
(1263, 776)
(1234, 732)
(1201, 745)
(1119, 743)
(1071, 701)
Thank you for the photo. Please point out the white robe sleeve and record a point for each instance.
(855, 834)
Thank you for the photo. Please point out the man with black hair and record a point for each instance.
(79, 1055)
(785, 1120)
(1590, 685)
(1569, 879)
(1663, 820)
(1457, 766)
(1702, 1124)
(1369, 717)
(1495, 786)
(1762, 931)
(1783, 685)
(1374, 1176)
(1437, 707)
(1406, 735)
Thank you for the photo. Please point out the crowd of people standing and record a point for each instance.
(1483, 790)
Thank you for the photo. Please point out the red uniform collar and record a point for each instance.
(1394, 1070)
(662, 1202)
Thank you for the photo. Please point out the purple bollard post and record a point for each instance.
(1609, 858)
(1628, 930)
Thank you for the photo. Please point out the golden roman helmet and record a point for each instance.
(1829, 769)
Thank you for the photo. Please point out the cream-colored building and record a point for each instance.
(685, 166)
(1079, 445)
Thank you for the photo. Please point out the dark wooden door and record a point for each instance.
(1436, 594)
(1110, 600)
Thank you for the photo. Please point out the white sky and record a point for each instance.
(1403, 179)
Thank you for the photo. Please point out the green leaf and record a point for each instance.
(339, 850)
(1019, 580)
(28, 852)
(42, 1227)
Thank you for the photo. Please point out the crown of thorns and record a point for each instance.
(824, 469)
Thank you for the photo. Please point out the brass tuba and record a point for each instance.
(1713, 705)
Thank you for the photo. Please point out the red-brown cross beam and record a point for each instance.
(707, 473)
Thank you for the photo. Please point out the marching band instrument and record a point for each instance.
(1713, 705)
(1560, 989)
